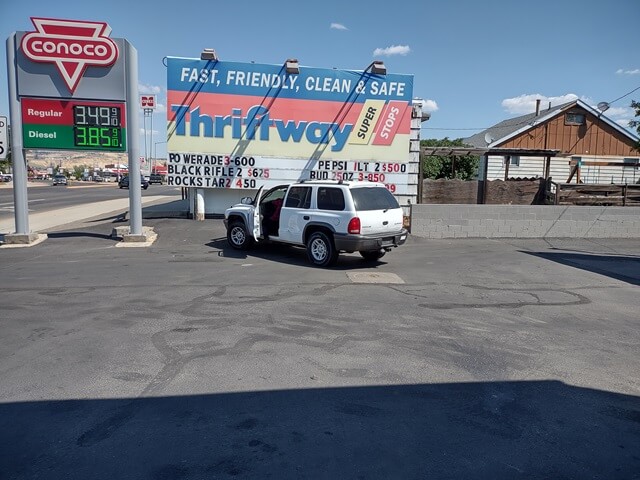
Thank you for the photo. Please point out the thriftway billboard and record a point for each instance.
(242, 125)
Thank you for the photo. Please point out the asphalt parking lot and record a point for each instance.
(446, 359)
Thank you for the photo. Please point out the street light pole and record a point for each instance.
(155, 148)
(148, 112)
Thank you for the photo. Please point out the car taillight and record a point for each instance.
(354, 225)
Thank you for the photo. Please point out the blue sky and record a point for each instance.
(474, 63)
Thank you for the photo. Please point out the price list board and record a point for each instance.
(73, 124)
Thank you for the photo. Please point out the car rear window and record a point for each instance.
(330, 199)
(373, 198)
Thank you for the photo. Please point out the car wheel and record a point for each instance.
(145, 187)
(238, 237)
(372, 255)
(320, 250)
(121, 187)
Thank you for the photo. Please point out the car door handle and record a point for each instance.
(385, 223)
(306, 217)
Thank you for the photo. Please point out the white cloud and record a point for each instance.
(527, 103)
(427, 105)
(620, 115)
(616, 112)
(621, 71)
(149, 89)
(337, 26)
(624, 122)
(160, 108)
(392, 50)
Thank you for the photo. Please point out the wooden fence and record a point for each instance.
(592, 194)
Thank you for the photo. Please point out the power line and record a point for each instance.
(625, 95)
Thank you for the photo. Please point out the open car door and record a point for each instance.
(257, 217)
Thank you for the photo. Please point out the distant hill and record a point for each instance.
(72, 158)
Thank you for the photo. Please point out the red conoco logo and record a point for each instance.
(148, 102)
(71, 45)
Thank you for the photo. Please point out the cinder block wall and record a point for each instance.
(524, 221)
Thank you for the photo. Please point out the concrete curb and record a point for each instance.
(152, 207)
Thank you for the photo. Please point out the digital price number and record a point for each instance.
(97, 127)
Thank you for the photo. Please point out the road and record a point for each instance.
(43, 197)
(448, 359)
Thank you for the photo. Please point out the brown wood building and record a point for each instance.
(591, 147)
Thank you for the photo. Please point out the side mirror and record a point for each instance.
(246, 200)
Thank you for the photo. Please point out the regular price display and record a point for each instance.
(97, 116)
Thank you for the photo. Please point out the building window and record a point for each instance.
(575, 118)
(630, 170)
(514, 160)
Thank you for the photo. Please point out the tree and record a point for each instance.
(457, 166)
(5, 165)
(636, 123)
(78, 170)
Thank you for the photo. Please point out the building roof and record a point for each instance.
(479, 151)
(507, 129)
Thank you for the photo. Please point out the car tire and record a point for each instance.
(372, 255)
(145, 187)
(321, 250)
(238, 236)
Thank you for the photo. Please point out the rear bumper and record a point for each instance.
(357, 243)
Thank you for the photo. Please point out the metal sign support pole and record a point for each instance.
(133, 141)
(18, 160)
(151, 145)
(148, 112)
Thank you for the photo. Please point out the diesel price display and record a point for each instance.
(74, 124)
(97, 127)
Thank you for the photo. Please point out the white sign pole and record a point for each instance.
(20, 199)
(133, 144)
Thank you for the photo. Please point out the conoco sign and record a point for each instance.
(70, 45)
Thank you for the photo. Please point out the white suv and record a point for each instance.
(325, 217)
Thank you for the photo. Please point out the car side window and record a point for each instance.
(274, 194)
(330, 198)
(299, 197)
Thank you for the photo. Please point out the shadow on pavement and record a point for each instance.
(291, 255)
(621, 267)
(57, 235)
(492, 430)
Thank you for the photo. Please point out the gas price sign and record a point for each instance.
(97, 127)
(73, 125)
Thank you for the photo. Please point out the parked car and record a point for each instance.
(156, 178)
(324, 217)
(124, 182)
(59, 180)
